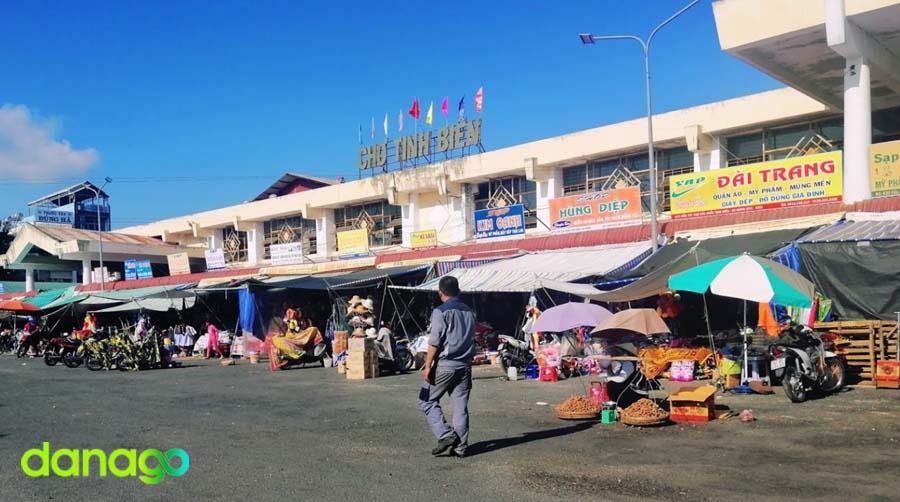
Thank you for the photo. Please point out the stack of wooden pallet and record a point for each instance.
(869, 342)
(362, 359)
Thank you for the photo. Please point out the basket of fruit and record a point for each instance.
(576, 408)
(644, 412)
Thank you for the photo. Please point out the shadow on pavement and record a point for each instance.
(499, 444)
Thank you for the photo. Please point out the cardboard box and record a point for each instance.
(693, 404)
(887, 374)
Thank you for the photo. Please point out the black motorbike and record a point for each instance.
(801, 360)
(63, 349)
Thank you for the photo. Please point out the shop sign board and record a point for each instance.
(215, 259)
(884, 168)
(289, 253)
(43, 214)
(179, 264)
(795, 181)
(138, 269)
(353, 242)
(423, 239)
(500, 221)
(616, 207)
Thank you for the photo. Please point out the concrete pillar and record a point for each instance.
(714, 158)
(857, 130)
(326, 235)
(550, 188)
(29, 279)
(86, 271)
(256, 243)
(408, 218)
(215, 239)
(468, 211)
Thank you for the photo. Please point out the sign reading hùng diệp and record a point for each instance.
(619, 206)
(794, 181)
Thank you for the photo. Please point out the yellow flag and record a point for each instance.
(430, 114)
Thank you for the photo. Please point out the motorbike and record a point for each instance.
(35, 341)
(514, 353)
(804, 364)
(404, 360)
(63, 349)
(8, 342)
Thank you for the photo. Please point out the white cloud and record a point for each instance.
(29, 151)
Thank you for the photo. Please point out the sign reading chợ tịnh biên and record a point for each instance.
(454, 137)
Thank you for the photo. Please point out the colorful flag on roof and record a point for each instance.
(479, 99)
(414, 109)
(445, 106)
(385, 125)
(373, 127)
(430, 115)
(461, 107)
(400, 121)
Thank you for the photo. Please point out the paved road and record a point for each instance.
(307, 434)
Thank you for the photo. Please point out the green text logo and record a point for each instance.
(153, 464)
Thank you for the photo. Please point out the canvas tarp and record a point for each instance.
(45, 298)
(759, 244)
(154, 304)
(861, 278)
(355, 279)
(526, 273)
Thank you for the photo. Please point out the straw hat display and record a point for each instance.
(369, 304)
(360, 314)
(358, 332)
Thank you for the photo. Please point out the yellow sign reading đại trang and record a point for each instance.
(884, 168)
(796, 181)
(353, 242)
(423, 239)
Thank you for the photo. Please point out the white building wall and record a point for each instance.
(326, 234)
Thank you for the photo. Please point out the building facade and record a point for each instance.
(849, 103)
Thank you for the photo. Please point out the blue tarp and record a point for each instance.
(247, 311)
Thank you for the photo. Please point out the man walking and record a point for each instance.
(448, 369)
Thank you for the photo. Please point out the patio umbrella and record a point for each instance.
(643, 321)
(747, 277)
(569, 316)
(17, 307)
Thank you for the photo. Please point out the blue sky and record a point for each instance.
(194, 105)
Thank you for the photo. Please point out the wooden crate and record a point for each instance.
(867, 342)
(362, 359)
(887, 375)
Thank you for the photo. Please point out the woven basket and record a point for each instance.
(568, 415)
(642, 421)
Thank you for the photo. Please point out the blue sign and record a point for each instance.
(138, 269)
(53, 215)
(500, 221)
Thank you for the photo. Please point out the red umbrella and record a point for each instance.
(17, 306)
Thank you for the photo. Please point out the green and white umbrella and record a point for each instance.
(747, 277)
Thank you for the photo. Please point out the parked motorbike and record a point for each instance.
(36, 341)
(404, 360)
(63, 349)
(804, 364)
(8, 342)
(514, 352)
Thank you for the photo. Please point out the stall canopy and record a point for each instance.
(154, 304)
(41, 300)
(355, 279)
(526, 273)
(679, 256)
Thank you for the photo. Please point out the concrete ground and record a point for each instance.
(308, 434)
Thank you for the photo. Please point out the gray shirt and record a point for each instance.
(453, 332)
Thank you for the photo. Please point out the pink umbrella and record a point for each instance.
(569, 316)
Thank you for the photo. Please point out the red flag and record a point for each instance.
(479, 99)
(414, 109)
(445, 106)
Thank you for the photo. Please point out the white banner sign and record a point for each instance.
(179, 264)
(215, 260)
(286, 254)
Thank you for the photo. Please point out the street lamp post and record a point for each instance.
(587, 38)
(97, 191)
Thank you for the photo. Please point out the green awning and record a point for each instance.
(44, 298)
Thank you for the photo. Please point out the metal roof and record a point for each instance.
(68, 192)
(289, 178)
(64, 234)
(853, 231)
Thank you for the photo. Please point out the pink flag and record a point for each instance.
(445, 106)
(479, 99)
(414, 109)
